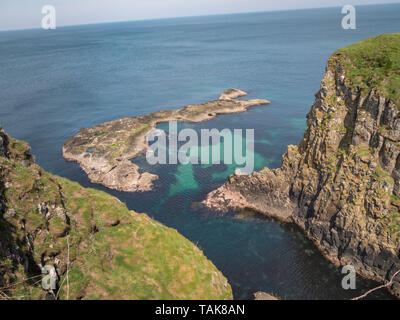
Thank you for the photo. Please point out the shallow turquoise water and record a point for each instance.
(53, 83)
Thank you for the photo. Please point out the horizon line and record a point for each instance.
(198, 16)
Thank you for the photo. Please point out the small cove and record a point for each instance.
(52, 84)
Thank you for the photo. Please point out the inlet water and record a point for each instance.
(54, 82)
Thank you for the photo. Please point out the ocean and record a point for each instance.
(52, 83)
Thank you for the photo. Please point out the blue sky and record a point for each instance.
(19, 14)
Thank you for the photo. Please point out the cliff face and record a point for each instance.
(109, 251)
(341, 184)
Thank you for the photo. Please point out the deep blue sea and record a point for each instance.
(52, 83)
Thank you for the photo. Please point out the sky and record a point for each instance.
(22, 14)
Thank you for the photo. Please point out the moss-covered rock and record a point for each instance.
(100, 249)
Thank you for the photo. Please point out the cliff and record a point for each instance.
(99, 249)
(341, 184)
(105, 151)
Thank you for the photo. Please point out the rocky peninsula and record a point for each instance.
(97, 247)
(341, 184)
(105, 151)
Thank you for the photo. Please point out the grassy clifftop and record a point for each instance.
(108, 251)
(374, 63)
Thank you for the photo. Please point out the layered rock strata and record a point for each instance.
(341, 184)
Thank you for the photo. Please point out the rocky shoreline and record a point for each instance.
(105, 151)
(341, 184)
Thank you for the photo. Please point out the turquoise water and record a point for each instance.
(53, 83)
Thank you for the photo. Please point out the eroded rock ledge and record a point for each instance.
(341, 184)
(265, 296)
(105, 151)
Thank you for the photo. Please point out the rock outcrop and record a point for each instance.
(341, 184)
(230, 94)
(265, 296)
(96, 246)
(105, 151)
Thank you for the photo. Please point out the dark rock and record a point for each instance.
(341, 184)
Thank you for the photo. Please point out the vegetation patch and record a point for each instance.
(374, 63)
(110, 251)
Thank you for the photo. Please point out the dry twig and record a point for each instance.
(387, 285)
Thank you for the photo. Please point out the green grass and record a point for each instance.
(343, 129)
(395, 200)
(393, 225)
(374, 63)
(381, 175)
(115, 253)
(145, 260)
(363, 151)
(18, 147)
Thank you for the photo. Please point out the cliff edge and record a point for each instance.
(341, 184)
(97, 248)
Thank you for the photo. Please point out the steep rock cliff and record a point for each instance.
(341, 184)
